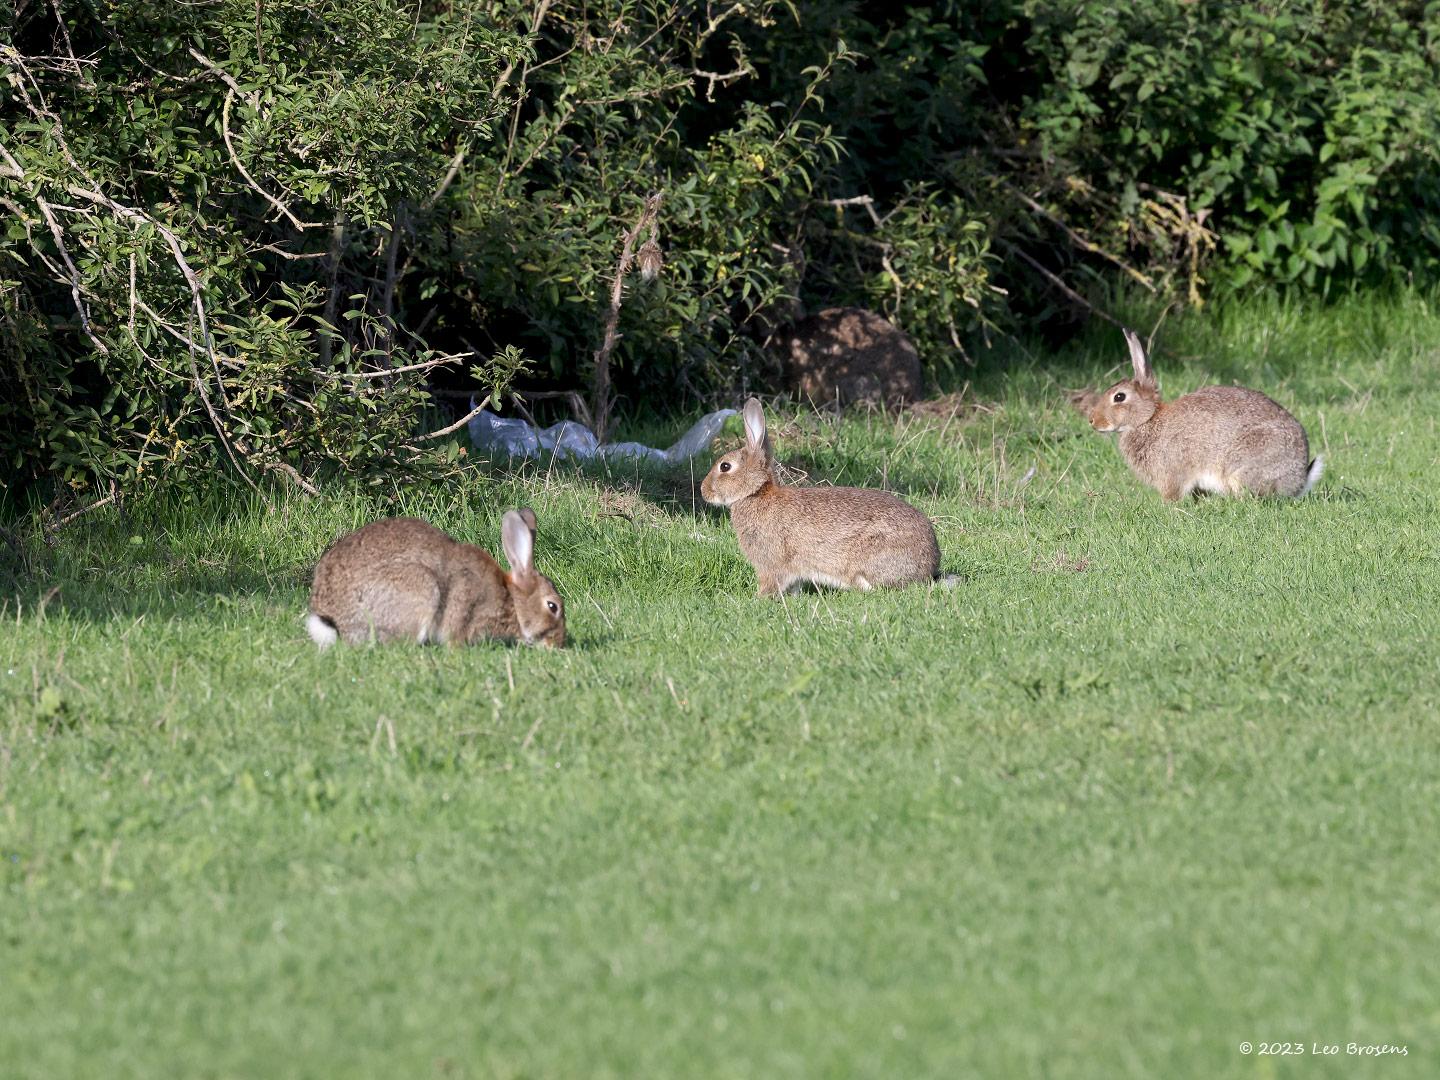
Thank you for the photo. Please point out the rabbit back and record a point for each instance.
(1225, 440)
(849, 538)
(403, 579)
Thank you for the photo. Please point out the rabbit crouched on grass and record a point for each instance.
(1224, 440)
(400, 579)
(846, 538)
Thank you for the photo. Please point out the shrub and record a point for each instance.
(280, 237)
(202, 259)
(1309, 133)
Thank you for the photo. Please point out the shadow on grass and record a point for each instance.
(154, 592)
(51, 583)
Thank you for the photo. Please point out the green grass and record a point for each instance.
(1153, 782)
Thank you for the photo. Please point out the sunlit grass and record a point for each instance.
(1152, 782)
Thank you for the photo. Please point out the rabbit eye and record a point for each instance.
(724, 466)
(1119, 397)
(553, 606)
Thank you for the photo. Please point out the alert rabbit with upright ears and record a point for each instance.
(401, 579)
(846, 538)
(1224, 440)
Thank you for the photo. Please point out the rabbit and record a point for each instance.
(400, 579)
(846, 538)
(1224, 440)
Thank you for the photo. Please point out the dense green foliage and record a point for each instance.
(1308, 131)
(229, 227)
(186, 232)
(1152, 782)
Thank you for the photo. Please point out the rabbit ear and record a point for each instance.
(529, 516)
(1144, 373)
(518, 540)
(755, 424)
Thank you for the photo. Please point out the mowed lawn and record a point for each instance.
(1150, 783)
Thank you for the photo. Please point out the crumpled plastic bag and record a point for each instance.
(568, 439)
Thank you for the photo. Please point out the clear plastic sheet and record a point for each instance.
(567, 439)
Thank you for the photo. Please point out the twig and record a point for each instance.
(198, 302)
(714, 78)
(1059, 284)
(598, 608)
(290, 471)
(576, 402)
(600, 395)
(244, 172)
(383, 723)
(387, 294)
(894, 277)
(1079, 240)
(112, 497)
(540, 9)
(525, 742)
(225, 76)
(1150, 341)
(425, 365)
(59, 237)
(303, 256)
(332, 295)
(450, 174)
(458, 424)
(715, 23)
(857, 200)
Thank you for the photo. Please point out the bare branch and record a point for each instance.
(439, 361)
(1055, 280)
(225, 76)
(600, 396)
(450, 174)
(198, 301)
(715, 23)
(332, 292)
(458, 424)
(858, 200)
(114, 495)
(540, 9)
(59, 236)
(715, 78)
(1077, 239)
(244, 172)
(295, 477)
(303, 256)
(387, 294)
(578, 408)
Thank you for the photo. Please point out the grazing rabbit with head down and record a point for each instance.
(1225, 440)
(846, 538)
(401, 579)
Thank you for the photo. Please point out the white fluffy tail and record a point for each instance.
(1317, 470)
(948, 581)
(321, 631)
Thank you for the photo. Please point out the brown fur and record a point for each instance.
(848, 538)
(400, 579)
(852, 356)
(1225, 440)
